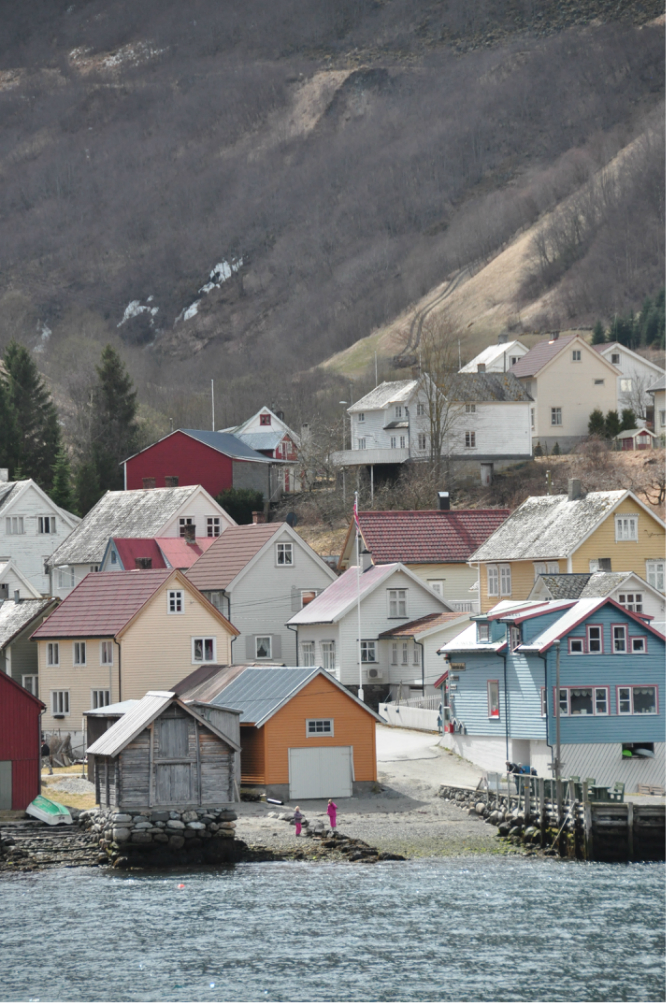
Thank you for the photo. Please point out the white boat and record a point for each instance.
(51, 812)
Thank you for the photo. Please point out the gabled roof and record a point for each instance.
(551, 526)
(8, 570)
(279, 422)
(491, 354)
(7, 681)
(206, 682)
(541, 355)
(587, 585)
(660, 384)
(181, 554)
(632, 433)
(485, 387)
(125, 514)
(224, 442)
(608, 347)
(262, 440)
(132, 550)
(230, 553)
(396, 392)
(425, 624)
(11, 491)
(578, 612)
(15, 617)
(427, 536)
(112, 709)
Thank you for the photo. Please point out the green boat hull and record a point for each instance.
(51, 812)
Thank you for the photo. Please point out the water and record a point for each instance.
(480, 928)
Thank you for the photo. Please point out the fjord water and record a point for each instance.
(477, 928)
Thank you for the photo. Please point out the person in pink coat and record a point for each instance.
(331, 811)
(298, 819)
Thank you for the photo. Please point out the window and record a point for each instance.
(397, 602)
(470, 408)
(420, 410)
(31, 684)
(148, 482)
(483, 632)
(615, 358)
(394, 442)
(470, 440)
(361, 443)
(403, 441)
(59, 702)
(576, 355)
(493, 580)
(106, 653)
(284, 554)
(398, 411)
(532, 417)
(53, 653)
(264, 419)
(79, 652)
(546, 568)
(601, 564)
(513, 359)
(637, 699)
(187, 527)
(581, 701)
(46, 524)
(620, 640)
(638, 645)
(633, 601)
(368, 651)
(171, 481)
(416, 654)
(114, 557)
(264, 647)
(626, 527)
(405, 653)
(328, 655)
(66, 577)
(505, 579)
(654, 571)
(308, 653)
(143, 563)
(514, 636)
(599, 383)
(175, 601)
(556, 415)
(576, 645)
(319, 726)
(625, 386)
(15, 525)
(437, 585)
(544, 708)
(99, 698)
(422, 440)
(600, 700)
(595, 640)
(212, 525)
(394, 653)
(493, 698)
(361, 416)
(662, 419)
(307, 596)
(93, 568)
(203, 649)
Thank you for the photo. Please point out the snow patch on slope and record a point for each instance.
(222, 271)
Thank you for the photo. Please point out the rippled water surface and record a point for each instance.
(482, 928)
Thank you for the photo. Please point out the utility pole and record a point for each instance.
(558, 763)
(212, 402)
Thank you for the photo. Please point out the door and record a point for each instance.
(5, 785)
(175, 782)
(324, 772)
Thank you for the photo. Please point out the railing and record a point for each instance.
(464, 605)
(423, 703)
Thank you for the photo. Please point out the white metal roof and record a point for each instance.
(491, 354)
(131, 724)
(396, 392)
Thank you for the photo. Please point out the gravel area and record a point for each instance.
(73, 785)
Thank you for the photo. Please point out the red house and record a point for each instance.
(216, 460)
(20, 745)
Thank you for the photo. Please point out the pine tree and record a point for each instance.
(61, 492)
(88, 491)
(36, 416)
(596, 424)
(556, 449)
(612, 424)
(628, 420)
(598, 334)
(9, 437)
(114, 420)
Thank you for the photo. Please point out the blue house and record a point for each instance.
(499, 690)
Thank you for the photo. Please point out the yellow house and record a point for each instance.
(570, 534)
(116, 636)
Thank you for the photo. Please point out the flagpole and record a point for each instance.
(361, 694)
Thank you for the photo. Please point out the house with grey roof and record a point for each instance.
(155, 512)
(267, 433)
(657, 393)
(18, 655)
(637, 375)
(625, 587)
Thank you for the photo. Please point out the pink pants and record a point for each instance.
(298, 828)
(332, 819)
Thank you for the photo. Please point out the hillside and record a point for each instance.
(241, 191)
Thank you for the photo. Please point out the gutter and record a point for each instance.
(120, 673)
(296, 630)
(545, 684)
(420, 644)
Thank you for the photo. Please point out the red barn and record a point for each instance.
(20, 745)
(216, 460)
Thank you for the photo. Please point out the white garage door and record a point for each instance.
(321, 772)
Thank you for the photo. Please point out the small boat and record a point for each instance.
(48, 811)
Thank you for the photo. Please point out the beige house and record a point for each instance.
(116, 636)
(568, 380)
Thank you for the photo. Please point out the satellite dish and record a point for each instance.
(292, 519)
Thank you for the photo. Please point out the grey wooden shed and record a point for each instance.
(164, 754)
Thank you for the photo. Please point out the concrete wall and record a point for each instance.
(409, 717)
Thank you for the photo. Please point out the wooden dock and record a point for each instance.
(616, 832)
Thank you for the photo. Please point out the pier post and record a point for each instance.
(630, 830)
(542, 810)
(587, 820)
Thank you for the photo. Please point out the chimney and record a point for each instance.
(4, 475)
(366, 559)
(480, 367)
(575, 489)
(17, 596)
(258, 517)
(502, 339)
(555, 336)
(444, 501)
(279, 415)
(189, 532)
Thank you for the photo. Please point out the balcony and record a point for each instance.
(369, 457)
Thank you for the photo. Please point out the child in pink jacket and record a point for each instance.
(331, 811)
(298, 818)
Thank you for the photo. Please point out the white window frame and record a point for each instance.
(397, 604)
(398, 411)
(470, 440)
(308, 654)
(328, 655)
(556, 417)
(632, 601)
(416, 654)
(53, 653)
(615, 638)
(403, 441)
(493, 578)
(79, 653)
(615, 359)
(361, 443)
(422, 441)
(175, 602)
(282, 552)
(470, 408)
(493, 694)
(437, 586)
(632, 711)
(99, 698)
(576, 355)
(361, 416)
(626, 385)
(420, 410)
(60, 703)
(394, 442)
(405, 653)
(185, 521)
(595, 691)
(638, 645)
(532, 418)
(212, 525)
(505, 579)
(66, 577)
(655, 573)
(15, 525)
(483, 627)
(263, 637)
(31, 683)
(394, 652)
(204, 641)
(46, 525)
(106, 652)
(626, 528)
(369, 648)
(318, 727)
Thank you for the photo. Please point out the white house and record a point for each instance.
(268, 433)
(637, 375)
(390, 595)
(153, 512)
(625, 587)
(32, 527)
(497, 358)
(258, 576)
(12, 581)
(657, 392)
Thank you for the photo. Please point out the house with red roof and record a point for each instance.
(435, 544)
(159, 552)
(116, 636)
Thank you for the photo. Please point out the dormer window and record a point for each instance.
(514, 636)
(483, 633)
(264, 419)
(398, 411)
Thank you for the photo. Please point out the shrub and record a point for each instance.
(240, 503)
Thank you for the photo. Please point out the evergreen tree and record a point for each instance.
(61, 492)
(598, 334)
(114, 420)
(596, 424)
(556, 449)
(87, 489)
(9, 436)
(628, 420)
(36, 416)
(612, 424)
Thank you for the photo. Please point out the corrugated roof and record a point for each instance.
(548, 527)
(540, 355)
(131, 724)
(15, 617)
(181, 554)
(123, 514)
(484, 387)
(229, 554)
(206, 682)
(490, 355)
(660, 384)
(102, 603)
(423, 623)
(130, 551)
(224, 442)
(395, 392)
(112, 709)
(261, 440)
(337, 597)
(428, 536)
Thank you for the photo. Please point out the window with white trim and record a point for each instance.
(394, 652)
(308, 653)
(31, 684)
(662, 419)
(633, 601)
(583, 701)
(626, 385)
(493, 698)
(515, 637)
(483, 632)
(493, 580)
(654, 572)
(308, 596)
(187, 526)
(546, 568)
(556, 415)
(53, 653)
(576, 645)
(405, 653)
(619, 639)
(99, 698)
(576, 355)
(505, 579)
(397, 602)
(532, 422)
(403, 441)
(420, 410)
(66, 577)
(423, 441)
(212, 525)
(46, 524)
(284, 554)
(328, 655)
(595, 640)
(544, 707)
(79, 652)
(263, 646)
(416, 654)
(437, 586)
(638, 645)
(615, 358)
(203, 649)
(361, 443)
(106, 653)
(398, 411)
(637, 699)
(626, 528)
(600, 564)
(470, 408)
(14, 524)
(319, 726)
(470, 440)
(175, 601)
(59, 702)
(394, 442)
(368, 651)
(361, 416)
